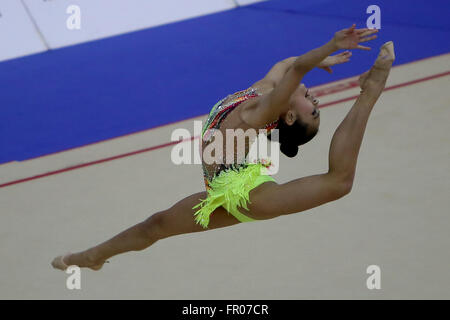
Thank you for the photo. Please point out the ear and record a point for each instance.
(290, 118)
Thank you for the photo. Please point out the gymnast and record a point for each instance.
(242, 191)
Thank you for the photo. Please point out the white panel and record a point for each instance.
(103, 18)
(18, 37)
(246, 2)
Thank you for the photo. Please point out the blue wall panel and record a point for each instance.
(98, 90)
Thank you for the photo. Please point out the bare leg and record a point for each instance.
(177, 220)
(268, 200)
(298, 195)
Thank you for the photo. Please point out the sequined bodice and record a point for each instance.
(215, 118)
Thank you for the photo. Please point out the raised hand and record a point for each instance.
(351, 38)
(333, 60)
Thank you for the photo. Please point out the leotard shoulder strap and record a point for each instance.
(221, 110)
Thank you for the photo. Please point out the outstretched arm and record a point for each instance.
(309, 192)
(277, 72)
(271, 106)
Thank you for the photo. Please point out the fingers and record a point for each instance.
(354, 37)
(362, 47)
(361, 32)
(350, 30)
(343, 57)
(367, 39)
(344, 54)
(365, 35)
(366, 32)
(328, 69)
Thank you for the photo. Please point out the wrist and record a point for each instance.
(333, 45)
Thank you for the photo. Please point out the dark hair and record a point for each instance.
(290, 137)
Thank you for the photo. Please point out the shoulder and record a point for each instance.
(250, 109)
(264, 86)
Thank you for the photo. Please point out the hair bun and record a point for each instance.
(289, 150)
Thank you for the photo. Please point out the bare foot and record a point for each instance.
(380, 70)
(386, 56)
(64, 261)
(58, 263)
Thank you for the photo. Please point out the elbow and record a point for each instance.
(343, 185)
(301, 67)
(346, 187)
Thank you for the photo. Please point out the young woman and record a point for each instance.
(241, 191)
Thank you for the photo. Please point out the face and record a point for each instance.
(303, 106)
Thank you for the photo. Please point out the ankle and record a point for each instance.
(378, 76)
(91, 258)
(386, 67)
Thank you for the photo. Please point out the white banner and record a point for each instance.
(246, 2)
(66, 22)
(18, 36)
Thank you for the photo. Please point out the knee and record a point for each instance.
(154, 226)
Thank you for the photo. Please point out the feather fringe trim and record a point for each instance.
(231, 189)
